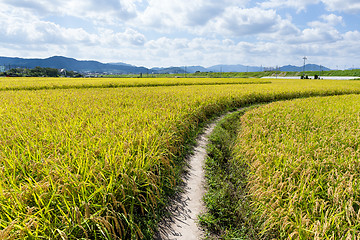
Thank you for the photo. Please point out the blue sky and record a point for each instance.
(156, 33)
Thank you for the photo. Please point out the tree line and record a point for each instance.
(39, 72)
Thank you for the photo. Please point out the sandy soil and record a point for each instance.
(188, 204)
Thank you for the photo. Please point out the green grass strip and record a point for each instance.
(228, 213)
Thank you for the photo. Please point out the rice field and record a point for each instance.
(98, 163)
(304, 170)
(34, 83)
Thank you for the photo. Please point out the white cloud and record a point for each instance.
(333, 19)
(239, 22)
(31, 30)
(168, 16)
(201, 15)
(349, 6)
(296, 4)
(129, 38)
(352, 36)
(349, 46)
(98, 11)
(312, 35)
(177, 32)
(211, 18)
(322, 31)
(22, 27)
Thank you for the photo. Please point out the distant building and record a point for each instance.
(2, 68)
(63, 72)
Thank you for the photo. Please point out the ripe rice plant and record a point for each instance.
(38, 83)
(303, 157)
(97, 163)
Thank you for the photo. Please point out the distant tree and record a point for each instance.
(14, 72)
(73, 74)
(51, 72)
(36, 72)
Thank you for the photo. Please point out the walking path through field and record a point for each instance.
(188, 205)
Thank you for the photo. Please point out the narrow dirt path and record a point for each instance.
(188, 204)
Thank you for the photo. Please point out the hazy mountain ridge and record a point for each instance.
(308, 67)
(72, 64)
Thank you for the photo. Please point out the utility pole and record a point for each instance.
(304, 66)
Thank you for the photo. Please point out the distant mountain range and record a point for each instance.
(72, 64)
(308, 67)
(238, 68)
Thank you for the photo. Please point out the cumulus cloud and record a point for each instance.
(32, 30)
(33, 37)
(174, 52)
(350, 6)
(312, 35)
(212, 18)
(108, 11)
(238, 21)
(162, 32)
(128, 38)
(350, 46)
(296, 4)
(165, 16)
(167, 51)
(333, 19)
(252, 21)
(201, 15)
(319, 31)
